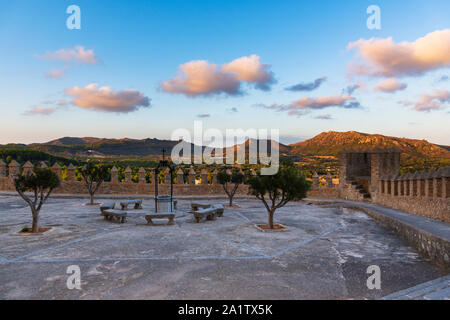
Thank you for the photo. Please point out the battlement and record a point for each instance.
(375, 174)
(186, 181)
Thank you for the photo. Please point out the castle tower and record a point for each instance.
(384, 162)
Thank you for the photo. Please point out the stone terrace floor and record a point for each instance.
(324, 255)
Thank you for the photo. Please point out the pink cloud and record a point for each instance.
(78, 54)
(105, 99)
(199, 77)
(250, 69)
(321, 102)
(324, 117)
(40, 111)
(390, 86)
(430, 102)
(202, 78)
(306, 104)
(56, 74)
(384, 57)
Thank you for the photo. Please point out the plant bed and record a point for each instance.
(276, 228)
(233, 206)
(27, 231)
(93, 204)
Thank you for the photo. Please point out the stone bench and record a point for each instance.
(105, 206)
(196, 206)
(219, 209)
(137, 204)
(119, 216)
(151, 216)
(208, 213)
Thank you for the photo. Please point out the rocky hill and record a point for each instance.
(330, 143)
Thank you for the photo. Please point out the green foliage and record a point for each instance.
(23, 155)
(39, 179)
(41, 183)
(93, 176)
(288, 184)
(94, 172)
(236, 177)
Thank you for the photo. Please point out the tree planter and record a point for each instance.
(41, 231)
(232, 206)
(276, 228)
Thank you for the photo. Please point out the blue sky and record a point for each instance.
(140, 45)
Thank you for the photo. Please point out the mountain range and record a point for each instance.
(324, 144)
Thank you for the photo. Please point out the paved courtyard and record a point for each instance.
(324, 255)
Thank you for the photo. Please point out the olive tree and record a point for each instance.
(93, 176)
(40, 182)
(275, 191)
(234, 179)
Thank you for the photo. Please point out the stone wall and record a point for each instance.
(360, 171)
(432, 247)
(191, 184)
(427, 193)
(323, 187)
(349, 191)
(194, 184)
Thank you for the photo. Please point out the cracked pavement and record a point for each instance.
(324, 255)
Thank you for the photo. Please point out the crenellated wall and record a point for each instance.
(325, 190)
(182, 186)
(426, 193)
(373, 175)
(363, 176)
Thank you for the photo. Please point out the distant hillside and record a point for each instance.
(330, 143)
(320, 149)
(83, 147)
(67, 141)
(271, 144)
(445, 147)
(22, 156)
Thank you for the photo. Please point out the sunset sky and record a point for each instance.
(142, 69)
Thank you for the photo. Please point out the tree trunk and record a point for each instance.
(231, 200)
(271, 219)
(92, 199)
(35, 225)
